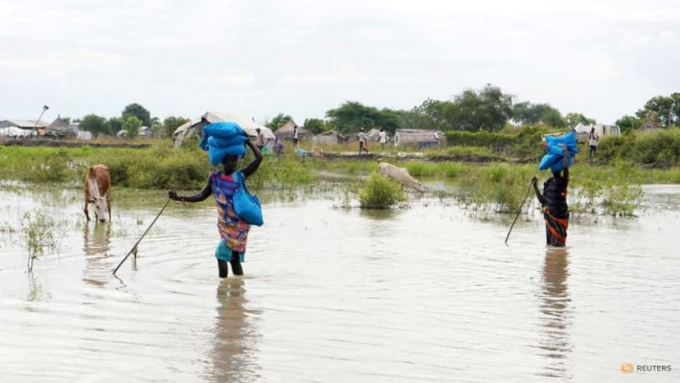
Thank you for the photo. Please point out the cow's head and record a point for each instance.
(100, 208)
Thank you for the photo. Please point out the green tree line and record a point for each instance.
(487, 109)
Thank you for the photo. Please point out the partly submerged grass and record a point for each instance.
(613, 189)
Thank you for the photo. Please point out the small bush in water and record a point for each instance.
(379, 193)
(38, 234)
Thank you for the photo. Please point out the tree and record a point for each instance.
(574, 119)
(171, 123)
(315, 125)
(131, 125)
(278, 121)
(390, 120)
(352, 116)
(528, 113)
(665, 109)
(487, 109)
(115, 124)
(66, 120)
(138, 111)
(431, 115)
(95, 124)
(628, 123)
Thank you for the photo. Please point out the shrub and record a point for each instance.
(54, 167)
(379, 193)
(38, 234)
(500, 186)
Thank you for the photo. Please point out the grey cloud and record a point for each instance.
(304, 57)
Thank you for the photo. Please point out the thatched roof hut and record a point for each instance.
(61, 128)
(286, 131)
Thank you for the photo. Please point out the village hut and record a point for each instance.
(286, 131)
(418, 138)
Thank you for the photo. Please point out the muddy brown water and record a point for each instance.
(429, 293)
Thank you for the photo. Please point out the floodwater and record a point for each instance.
(425, 294)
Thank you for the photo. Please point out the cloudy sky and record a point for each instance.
(303, 57)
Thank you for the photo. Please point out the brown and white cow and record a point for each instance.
(98, 192)
(400, 175)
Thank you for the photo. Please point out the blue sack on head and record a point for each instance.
(548, 161)
(223, 138)
(216, 155)
(559, 165)
(246, 205)
(568, 139)
(224, 129)
(553, 158)
(226, 142)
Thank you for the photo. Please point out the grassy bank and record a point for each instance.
(157, 167)
(499, 186)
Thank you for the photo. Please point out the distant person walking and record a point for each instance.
(362, 141)
(259, 141)
(383, 139)
(295, 136)
(592, 140)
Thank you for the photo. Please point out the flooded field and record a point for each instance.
(430, 293)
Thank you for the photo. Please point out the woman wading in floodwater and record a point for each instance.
(554, 203)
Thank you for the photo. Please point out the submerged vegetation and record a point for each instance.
(498, 186)
(378, 192)
(38, 233)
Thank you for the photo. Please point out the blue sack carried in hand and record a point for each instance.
(246, 205)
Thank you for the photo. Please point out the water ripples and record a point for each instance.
(422, 294)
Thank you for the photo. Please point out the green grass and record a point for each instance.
(378, 192)
(612, 188)
(157, 167)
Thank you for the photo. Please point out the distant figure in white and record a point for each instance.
(592, 140)
(383, 139)
(400, 175)
(362, 141)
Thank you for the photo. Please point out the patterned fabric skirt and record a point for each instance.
(555, 229)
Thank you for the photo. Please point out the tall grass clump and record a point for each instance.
(421, 169)
(500, 187)
(378, 192)
(622, 200)
(453, 169)
(38, 232)
(53, 167)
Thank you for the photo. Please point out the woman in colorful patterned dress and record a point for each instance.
(233, 230)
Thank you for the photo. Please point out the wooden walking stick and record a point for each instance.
(134, 248)
(518, 213)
